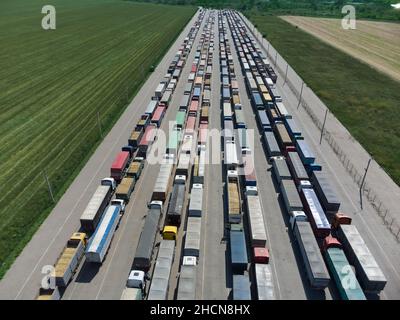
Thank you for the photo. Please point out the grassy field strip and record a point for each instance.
(53, 84)
(363, 99)
(376, 47)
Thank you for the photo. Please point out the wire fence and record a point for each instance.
(294, 81)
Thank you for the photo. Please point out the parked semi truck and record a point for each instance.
(125, 188)
(101, 239)
(314, 264)
(163, 182)
(341, 270)
(135, 286)
(135, 168)
(68, 261)
(234, 200)
(144, 250)
(97, 204)
(119, 165)
(177, 200)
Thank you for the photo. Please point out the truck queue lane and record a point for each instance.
(289, 275)
(213, 280)
(380, 242)
(108, 281)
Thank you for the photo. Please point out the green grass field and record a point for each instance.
(53, 83)
(363, 99)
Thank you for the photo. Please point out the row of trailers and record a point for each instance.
(175, 170)
(247, 233)
(103, 213)
(330, 246)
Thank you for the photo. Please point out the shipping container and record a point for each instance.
(368, 272)
(241, 287)
(119, 165)
(271, 145)
(153, 104)
(196, 201)
(135, 138)
(163, 181)
(315, 213)
(283, 111)
(290, 196)
(160, 281)
(315, 267)
(240, 119)
(234, 201)
(342, 274)
(188, 88)
(160, 90)
(175, 206)
(204, 114)
(192, 238)
(144, 250)
(258, 236)
(187, 144)
(158, 116)
(146, 141)
(230, 157)
(296, 167)
(326, 193)
(194, 106)
(237, 243)
(183, 164)
(257, 100)
(263, 121)
(183, 105)
(187, 283)
(281, 169)
(227, 111)
(95, 208)
(282, 135)
(264, 281)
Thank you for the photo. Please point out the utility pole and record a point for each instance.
(99, 123)
(301, 93)
(48, 185)
(323, 126)
(365, 174)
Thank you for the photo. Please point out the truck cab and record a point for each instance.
(189, 261)
(119, 202)
(155, 205)
(180, 179)
(129, 149)
(340, 218)
(136, 279)
(304, 184)
(170, 233)
(109, 182)
(297, 216)
(251, 191)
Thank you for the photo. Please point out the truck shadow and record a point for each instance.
(88, 272)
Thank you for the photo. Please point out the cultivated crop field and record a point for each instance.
(365, 100)
(53, 87)
(376, 43)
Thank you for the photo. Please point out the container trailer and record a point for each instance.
(241, 287)
(368, 272)
(296, 166)
(160, 281)
(187, 283)
(282, 135)
(290, 196)
(49, 294)
(125, 188)
(281, 169)
(271, 145)
(264, 282)
(196, 201)
(233, 193)
(314, 264)
(230, 157)
(163, 181)
(119, 165)
(146, 141)
(237, 244)
(176, 202)
(292, 128)
(305, 152)
(153, 104)
(263, 122)
(341, 271)
(68, 261)
(192, 238)
(315, 213)
(135, 138)
(258, 236)
(100, 242)
(326, 192)
(227, 111)
(158, 116)
(183, 164)
(135, 168)
(144, 250)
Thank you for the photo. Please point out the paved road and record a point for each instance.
(381, 243)
(23, 279)
(213, 275)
